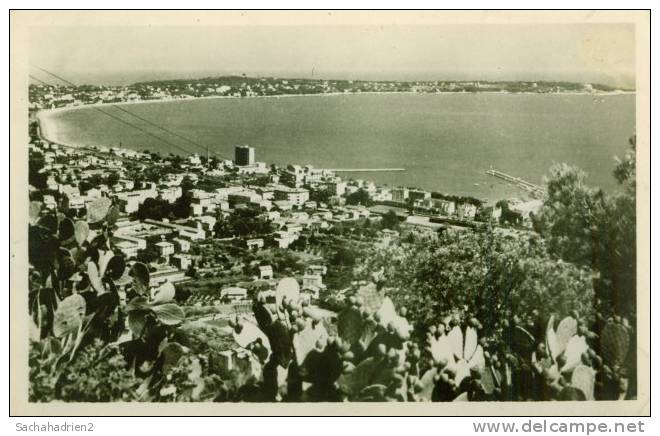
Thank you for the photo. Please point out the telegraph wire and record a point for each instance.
(202, 147)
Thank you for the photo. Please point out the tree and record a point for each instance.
(360, 197)
(319, 195)
(222, 227)
(112, 179)
(490, 275)
(182, 205)
(390, 220)
(95, 180)
(588, 227)
(36, 177)
(148, 255)
(508, 216)
(249, 222)
(260, 181)
(154, 208)
(187, 184)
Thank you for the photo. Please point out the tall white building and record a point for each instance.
(243, 155)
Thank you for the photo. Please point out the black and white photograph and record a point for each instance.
(307, 207)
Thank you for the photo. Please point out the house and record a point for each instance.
(268, 296)
(283, 205)
(293, 228)
(233, 293)
(399, 195)
(466, 211)
(49, 202)
(443, 207)
(315, 280)
(192, 233)
(197, 209)
(181, 245)
(317, 270)
(165, 248)
(254, 244)
(133, 199)
(382, 194)
(170, 194)
(167, 274)
(293, 175)
(310, 294)
(181, 261)
(128, 248)
(244, 196)
(337, 187)
(296, 196)
(283, 239)
(418, 195)
(265, 272)
(527, 208)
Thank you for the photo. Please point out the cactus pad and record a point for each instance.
(350, 325)
(287, 288)
(248, 334)
(462, 397)
(566, 329)
(614, 343)
(477, 360)
(98, 209)
(427, 383)
(488, 381)
(440, 349)
(462, 371)
(370, 298)
(69, 315)
(551, 339)
(455, 342)
(163, 293)
(115, 267)
(34, 211)
(584, 379)
(574, 349)
(522, 341)
(81, 231)
(307, 339)
(471, 341)
(94, 277)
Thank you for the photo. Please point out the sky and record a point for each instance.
(602, 53)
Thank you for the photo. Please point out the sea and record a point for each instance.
(444, 142)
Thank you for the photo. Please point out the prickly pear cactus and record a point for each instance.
(69, 315)
(458, 364)
(98, 209)
(369, 297)
(305, 362)
(614, 343)
(584, 378)
(566, 329)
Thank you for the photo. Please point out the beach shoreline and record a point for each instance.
(48, 126)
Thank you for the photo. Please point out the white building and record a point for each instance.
(265, 272)
(297, 196)
(133, 199)
(165, 248)
(233, 293)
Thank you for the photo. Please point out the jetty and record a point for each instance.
(535, 190)
(364, 170)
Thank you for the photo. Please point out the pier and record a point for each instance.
(364, 170)
(535, 190)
